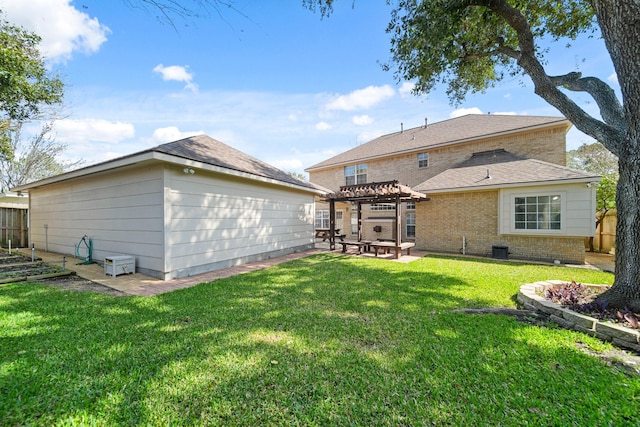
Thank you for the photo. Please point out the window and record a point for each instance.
(355, 174)
(322, 219)
(411, 206)
(423, 160)
(339, 222)
(538, 212)
(354, 223)
(377, 207)
(410, 224)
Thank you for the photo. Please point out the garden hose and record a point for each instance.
(88, 245)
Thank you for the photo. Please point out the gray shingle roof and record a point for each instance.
(498, 168)
(469, 127)
(204, 149)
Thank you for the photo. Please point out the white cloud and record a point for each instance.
(323, 126)
(177, 73)
(406, 88)
(464, 111)
(613, 78)
(63, 28)
(171, 133)
(505, 113)
(362, 120)
(362, 98)
(93, 130)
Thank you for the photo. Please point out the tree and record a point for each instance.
(36, 159)
(596, 159)
(26, 87)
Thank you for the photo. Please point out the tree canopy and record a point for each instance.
(25, 84)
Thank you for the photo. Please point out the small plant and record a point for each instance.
(598, 308)
(566, 294)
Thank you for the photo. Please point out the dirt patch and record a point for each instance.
(76, 283)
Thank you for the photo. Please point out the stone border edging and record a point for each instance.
(621, 336)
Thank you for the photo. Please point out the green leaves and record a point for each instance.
(25, 84)
(471, 45)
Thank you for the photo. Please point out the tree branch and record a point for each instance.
(609, 135)
(605, 97)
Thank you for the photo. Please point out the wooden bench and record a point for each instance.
(365, 244)
(387, 246)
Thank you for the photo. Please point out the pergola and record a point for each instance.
(373, 192)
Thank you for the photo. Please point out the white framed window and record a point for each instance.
(537, 212)
(339, 221)
(322, 219)
(355, 174)
(423, 160)
(411, 206)
(410, 224)
(379, 207)
(354, 223)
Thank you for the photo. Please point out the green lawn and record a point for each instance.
(325, 340)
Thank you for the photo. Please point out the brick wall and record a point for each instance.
(547, 145)
(445, 219)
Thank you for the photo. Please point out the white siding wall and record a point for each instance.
(214, 221)
(121, 211)
(578, 209)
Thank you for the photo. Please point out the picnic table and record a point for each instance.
(324, 234)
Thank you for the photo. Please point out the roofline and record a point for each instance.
(151, 155)
(587, 179)
(557, 123)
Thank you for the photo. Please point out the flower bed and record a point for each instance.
(531, 296)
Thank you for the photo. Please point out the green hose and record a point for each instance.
(88, 244)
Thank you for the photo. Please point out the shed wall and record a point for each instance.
(215, 221)
(121, 211)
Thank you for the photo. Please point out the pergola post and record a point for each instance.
(332, 225)
(398, 226)
(359, 222)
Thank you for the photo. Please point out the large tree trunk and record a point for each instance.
(619, 24)
(626, 289)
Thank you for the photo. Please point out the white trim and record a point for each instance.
(587, 180)
(136, 159)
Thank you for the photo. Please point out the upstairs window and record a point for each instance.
(423, 160)
(356, 174)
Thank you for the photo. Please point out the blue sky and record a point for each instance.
(270, 78)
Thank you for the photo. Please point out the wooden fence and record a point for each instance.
(605, 236)
(13, 226)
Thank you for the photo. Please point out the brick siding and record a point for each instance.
(445, 219)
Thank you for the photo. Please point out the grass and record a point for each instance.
(325, 340)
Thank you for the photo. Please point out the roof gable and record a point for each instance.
(500, 168)
(457, 130)
(204, 149)
(200, 149)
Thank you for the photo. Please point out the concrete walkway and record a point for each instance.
(143, 285)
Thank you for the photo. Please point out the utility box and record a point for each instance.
(500, 252)
(119, 264)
